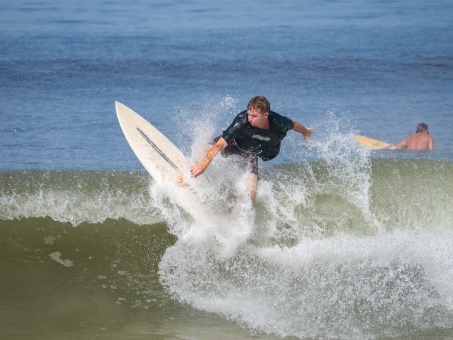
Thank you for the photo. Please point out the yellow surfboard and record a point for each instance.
(371, 143)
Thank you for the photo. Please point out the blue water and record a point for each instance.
(341, 242)
(384, 65)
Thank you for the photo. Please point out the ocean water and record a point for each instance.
(342, 242)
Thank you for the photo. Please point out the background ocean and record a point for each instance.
(342, 243)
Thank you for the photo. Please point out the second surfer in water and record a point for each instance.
(420, 140)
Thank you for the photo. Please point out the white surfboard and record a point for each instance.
(160, 157)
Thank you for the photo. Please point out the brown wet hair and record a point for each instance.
(259, 102)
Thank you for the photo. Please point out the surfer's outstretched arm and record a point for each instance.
(306, 132)
(198, 168)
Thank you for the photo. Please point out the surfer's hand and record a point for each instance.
(308, 133)
(197, 169)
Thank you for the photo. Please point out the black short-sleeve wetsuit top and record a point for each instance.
(262, 143)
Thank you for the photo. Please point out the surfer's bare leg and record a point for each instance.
(252, 185)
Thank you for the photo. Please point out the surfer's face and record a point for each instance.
(258, 119)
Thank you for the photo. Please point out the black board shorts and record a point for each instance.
(233, 149)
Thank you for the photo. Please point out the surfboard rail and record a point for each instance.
(160, 157)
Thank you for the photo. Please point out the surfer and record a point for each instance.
(255, 132)
(420, 140)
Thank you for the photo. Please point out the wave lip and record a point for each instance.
(318, 198)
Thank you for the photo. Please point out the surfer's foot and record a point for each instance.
(181, 181)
